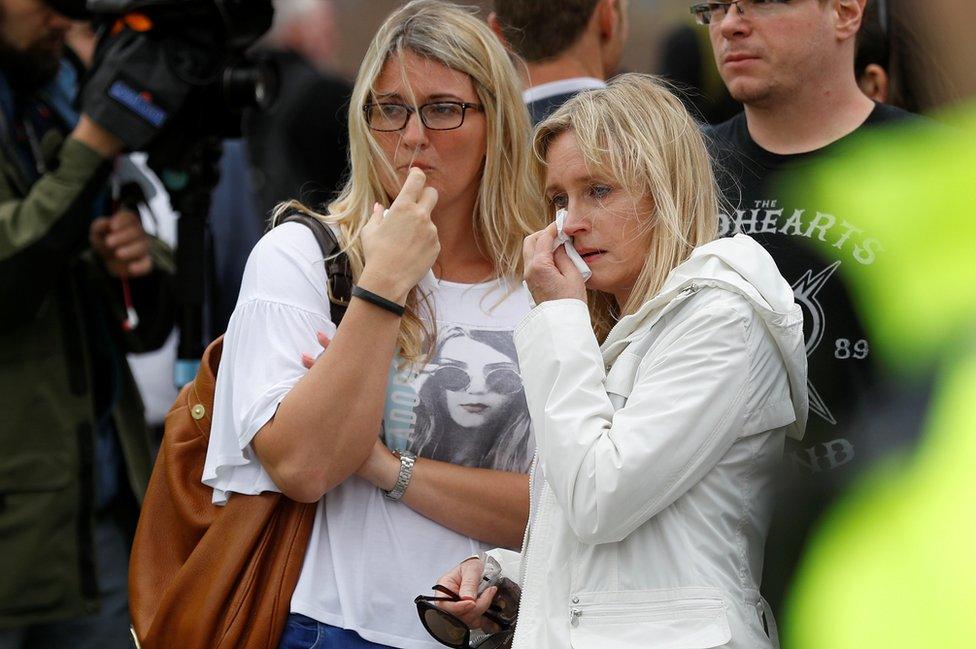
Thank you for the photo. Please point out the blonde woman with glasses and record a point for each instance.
(660, 392)
(432, 218)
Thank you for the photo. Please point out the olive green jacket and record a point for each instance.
(56, 303)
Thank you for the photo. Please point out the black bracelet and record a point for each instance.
(381, 302)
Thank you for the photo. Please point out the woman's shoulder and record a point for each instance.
(285, 265)
(711, 306)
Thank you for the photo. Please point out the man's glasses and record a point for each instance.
(449, 630)
(707, 12)
(437, 116)
(500, 379)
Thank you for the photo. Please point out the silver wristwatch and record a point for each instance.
(403, 479)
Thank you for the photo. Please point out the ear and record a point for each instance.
(874, 83)
(496, 26)
(607, 15)
(848, 17)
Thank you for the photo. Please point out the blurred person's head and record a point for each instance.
(32, 37)
(432, 61)
(775, 50)
(872, 62)
(306, 27)
(932, 52)
(630, 166)
(538, 31)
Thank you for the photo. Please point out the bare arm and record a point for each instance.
(491, 506)
(325, 427)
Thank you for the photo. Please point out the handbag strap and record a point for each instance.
(337, 268)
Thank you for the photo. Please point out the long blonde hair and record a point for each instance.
(636, 131)
(508, 206)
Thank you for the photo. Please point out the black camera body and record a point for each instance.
(168, 72)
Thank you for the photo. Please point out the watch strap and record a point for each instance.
(407, 460)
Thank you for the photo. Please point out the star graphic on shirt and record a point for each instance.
(805, 290)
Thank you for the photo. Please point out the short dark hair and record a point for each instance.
(541, 29)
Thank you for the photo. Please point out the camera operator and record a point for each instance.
(74, 449)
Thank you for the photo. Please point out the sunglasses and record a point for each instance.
(449, 630)
(500, 380)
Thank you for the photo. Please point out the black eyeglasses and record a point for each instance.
(502, 380)
(706, 12)
(437, 116)
(449, 630)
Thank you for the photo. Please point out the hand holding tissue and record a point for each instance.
(562, 239)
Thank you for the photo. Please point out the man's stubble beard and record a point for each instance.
(27, 71)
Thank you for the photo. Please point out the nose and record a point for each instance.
(733, 23)
(575, 223)
(414, 134)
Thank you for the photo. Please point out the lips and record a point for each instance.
(419, 165)
(474, 408)
(589, 253)
(739, 58)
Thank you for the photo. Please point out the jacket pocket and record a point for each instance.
(37, 536)
(680, 618)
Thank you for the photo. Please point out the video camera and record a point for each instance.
(174, 67)
(173, 78)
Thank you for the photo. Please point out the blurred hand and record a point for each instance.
(122, 244)
(550, 274)
(463, 580)
(401, 248)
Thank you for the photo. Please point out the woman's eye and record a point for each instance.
(600, 191)
(558, 201)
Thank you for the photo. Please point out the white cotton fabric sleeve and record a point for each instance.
(282, 304)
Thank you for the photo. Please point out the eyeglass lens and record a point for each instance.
(707, 12)
(500, 380)
(446, 629)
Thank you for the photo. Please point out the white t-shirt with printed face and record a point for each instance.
(368, 556)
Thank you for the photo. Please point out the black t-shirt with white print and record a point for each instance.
(842, 374)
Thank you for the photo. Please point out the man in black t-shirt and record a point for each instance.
(791, 64)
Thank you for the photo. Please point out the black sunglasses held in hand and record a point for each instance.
(449, 630)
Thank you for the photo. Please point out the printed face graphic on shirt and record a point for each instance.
(479, 382)
(467, 403)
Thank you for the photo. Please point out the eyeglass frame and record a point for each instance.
(699, 6)
(410, 110)
(426, 603)
(486, 374)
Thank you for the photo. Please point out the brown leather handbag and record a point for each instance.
(203, 576)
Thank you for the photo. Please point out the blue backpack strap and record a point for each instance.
(336, 262)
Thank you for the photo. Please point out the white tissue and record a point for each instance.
(562, 239)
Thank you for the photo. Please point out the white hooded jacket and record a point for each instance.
(656, 452)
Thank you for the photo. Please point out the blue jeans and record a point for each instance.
(302, 632)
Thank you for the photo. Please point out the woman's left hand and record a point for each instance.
(550, 274)
(381, 467)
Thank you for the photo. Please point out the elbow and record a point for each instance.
(301, 484)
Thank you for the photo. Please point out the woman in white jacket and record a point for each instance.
(660, 393)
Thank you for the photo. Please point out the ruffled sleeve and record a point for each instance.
(282, 304)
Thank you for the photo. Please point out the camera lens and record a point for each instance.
(250, 84)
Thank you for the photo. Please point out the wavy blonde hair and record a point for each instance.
(640, 135)
(508, 206)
